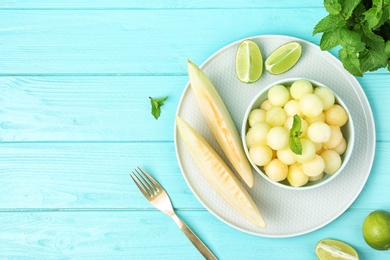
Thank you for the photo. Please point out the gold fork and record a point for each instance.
(157, 196)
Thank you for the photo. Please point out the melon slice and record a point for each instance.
(220, 122)
(218, 174)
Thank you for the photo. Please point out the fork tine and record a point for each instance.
(140, 185)
(157, 186)
(147, 181)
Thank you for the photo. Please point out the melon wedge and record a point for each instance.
(218, 174)
(220, 122)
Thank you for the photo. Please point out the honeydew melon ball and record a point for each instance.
(340, 149)
(319, 132)
(335, 139)
(318, 147)
(332, 161)
(266, 105)
(295, 176)
(304, 125)
(315, 167)
(336, 115)
(278, 95)
(311, 120)
(257, 134)
(256, 116)
(311, 105)
(326, 95)
(292, 108)
(275, 116)
(277, 138)
(300, 88)
(316, 178)
(261, 155)
(308, 151)
(276, 170)
(286, 155)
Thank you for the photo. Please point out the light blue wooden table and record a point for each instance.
(75, 77)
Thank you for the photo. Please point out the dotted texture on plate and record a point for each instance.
(286, 212)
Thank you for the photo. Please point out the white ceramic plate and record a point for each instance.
(286, 212)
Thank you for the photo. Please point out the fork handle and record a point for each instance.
(194, 239)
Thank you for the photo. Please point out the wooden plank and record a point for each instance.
(134, 41)
(87, 108)
(115, 108)
(95, 176)
(153, 235)
(138, 4)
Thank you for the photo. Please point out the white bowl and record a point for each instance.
(347, 130)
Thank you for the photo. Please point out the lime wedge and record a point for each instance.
(249, 62)
(283, 58)
(329, 249)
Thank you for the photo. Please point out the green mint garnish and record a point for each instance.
(294, 140)
(156, 104)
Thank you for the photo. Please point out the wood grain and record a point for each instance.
(115, 108)
(95, 176)
(124, 42)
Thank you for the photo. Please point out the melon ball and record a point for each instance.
(332, 161)
(315, 167)
(277, 138)
(292, 108)
(265, 105)
(316, 178)
(311, 105)
(311, 120)
(308, 151)
(256, 116)
(336, 115)
(278, 95)
(260, 154)
(275, 116)
(295, 175)
(336, 136)
(340, 149)
(319, 132)
(286, 155)
(300, 88)
(326, 95)
(276, 170)
(257, 134)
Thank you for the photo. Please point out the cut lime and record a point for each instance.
(283, 58)
(249, 62)
(329, 249)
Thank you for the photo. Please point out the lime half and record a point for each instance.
(249, 62)
(283, 58)
(329, 249)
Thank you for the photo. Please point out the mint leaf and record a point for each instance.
(156, 103)
(348, 8)
(295, 131)
(349, 58)
(374, 14)
(329, 23)
(329, 40)
(372, 60)
(332, 6)
(372, 40)
(351, 39)
(387, 48)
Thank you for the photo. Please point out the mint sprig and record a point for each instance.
(295, 132)
(362, 29)
(156, 103)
